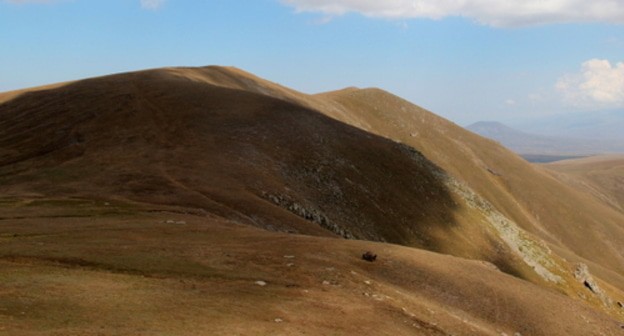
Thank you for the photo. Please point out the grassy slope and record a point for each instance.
(124, 271)
(527, 194)
(523, 192)
(218, 141)
(573, 223)
(601, 176)
(153, 137)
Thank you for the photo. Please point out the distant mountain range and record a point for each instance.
(561, 144)
(599, 125)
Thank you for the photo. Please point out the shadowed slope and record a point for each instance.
(157, 138)
(522, 192)
(573, 223)
(216, 141)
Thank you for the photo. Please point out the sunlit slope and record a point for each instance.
(217, 141)
(602, 176)
(573, 223)
(89, 267)
(523, 192)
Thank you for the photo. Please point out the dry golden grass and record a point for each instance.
(91, 171)
(601, 176)
(134, 274)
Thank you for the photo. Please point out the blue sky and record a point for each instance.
(465, 60)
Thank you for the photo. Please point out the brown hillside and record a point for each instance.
(577, 226)
(155, 138)
(84, 267)
(223, 146)
(522, 192)
(525, 193)
(601, 176)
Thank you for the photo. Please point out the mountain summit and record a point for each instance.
(213, 186)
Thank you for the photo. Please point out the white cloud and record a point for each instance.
(152, 4)
(489, 12)
(510, 102)
(599, 83)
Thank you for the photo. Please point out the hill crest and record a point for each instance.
(223, 142)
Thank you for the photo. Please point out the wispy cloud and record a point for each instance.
(501, 13)
(599, 84)
(152, 4)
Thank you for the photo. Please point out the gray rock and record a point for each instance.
(581, 273)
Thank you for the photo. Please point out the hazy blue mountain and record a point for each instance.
(534, 144)
(601, 125)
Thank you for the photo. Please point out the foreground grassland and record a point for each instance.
(92, 267)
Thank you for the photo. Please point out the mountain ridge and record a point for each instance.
(221, 142)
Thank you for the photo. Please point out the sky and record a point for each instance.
(466, 60)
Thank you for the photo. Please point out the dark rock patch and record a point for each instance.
(369, 256)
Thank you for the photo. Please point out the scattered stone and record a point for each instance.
(493, 172)
(369, 256)
(278, 320)
(325, 282)
(289, 256)
(378, 297)
(582, 274)
(181, 222)
(290, 265)
(261, 283)
(620, 304)
(368, 282)
(106, 204)
(169, 221)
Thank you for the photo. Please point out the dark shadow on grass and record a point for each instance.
(368, 186)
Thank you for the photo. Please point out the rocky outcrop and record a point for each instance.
(308, 213)
(581, 273)
(531, 250)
